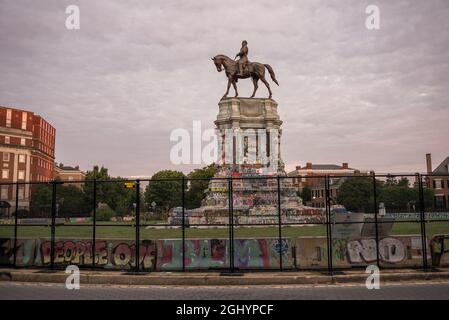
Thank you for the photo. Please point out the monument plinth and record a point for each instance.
(249, 135)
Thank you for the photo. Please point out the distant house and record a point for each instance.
(69, 174)
(438, 180)
(311, 174)
(318, 192)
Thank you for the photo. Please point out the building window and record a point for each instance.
(8, 118)
(22, 141)
(24, 120)
(21, 192)
(4, 192)
(7, 140)
(21, 175)
(5, 174)
(22, 158)
(437, 184)
(439, 202)
(6, 156)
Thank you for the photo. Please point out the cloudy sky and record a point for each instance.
(136, 70)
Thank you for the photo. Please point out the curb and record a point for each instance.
(106, 278)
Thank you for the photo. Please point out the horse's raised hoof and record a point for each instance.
(269, 97)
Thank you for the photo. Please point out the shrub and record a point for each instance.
(104, 214)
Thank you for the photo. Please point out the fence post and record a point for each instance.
(422, 221)
(183, 227)
(137, 225)
(328, 227)
(53, 226)
(279, 221)
(376, 212)
(231, 225)
(94, 222)
(15, 224)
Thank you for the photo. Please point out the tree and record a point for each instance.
(109, 190)
(356, 194)
(306, 194)
(41, 197)
(71, 201)
(400, 197)
(88, 187)
(165, 190)
(198, 185)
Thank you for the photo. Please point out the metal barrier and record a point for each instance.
(148, 252)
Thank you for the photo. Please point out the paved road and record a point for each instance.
(17, 291)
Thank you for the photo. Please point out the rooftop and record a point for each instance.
(443, 167)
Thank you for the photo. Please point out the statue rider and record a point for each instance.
(243, 54)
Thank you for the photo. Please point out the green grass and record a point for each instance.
(126, 231)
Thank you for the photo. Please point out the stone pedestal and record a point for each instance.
(249, 134)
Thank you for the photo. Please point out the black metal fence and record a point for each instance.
(244, 223)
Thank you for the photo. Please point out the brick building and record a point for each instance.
(68, 174)
(438, 180)
(311, 174)
(27, 152)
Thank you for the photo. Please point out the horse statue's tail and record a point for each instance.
(270, 70)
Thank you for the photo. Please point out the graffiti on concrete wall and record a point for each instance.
(261, 253)
(393, 250)
(214, 253)
(112, 254)
(440, 250)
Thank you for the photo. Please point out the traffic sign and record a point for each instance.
(130, 185)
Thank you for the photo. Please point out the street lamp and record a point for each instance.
(153, 205)
(61, 201)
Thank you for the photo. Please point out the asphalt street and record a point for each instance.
(18, 291)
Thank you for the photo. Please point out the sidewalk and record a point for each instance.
(214, 278)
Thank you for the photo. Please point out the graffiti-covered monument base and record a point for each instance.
(249, 137)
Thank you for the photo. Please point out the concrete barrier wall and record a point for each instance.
(260, 253)
(404, 251)
(110, 254)
(160, 255)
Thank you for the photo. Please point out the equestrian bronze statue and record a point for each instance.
(243, 69)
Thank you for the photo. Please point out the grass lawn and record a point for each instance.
(126, 231)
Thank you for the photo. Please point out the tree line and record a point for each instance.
(357, 195)
(114, 199)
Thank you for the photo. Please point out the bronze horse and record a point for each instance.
(255, 70)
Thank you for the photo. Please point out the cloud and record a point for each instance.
(137, 70)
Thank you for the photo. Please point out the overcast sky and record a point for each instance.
(136, 70)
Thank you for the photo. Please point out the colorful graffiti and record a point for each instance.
(440, 250)
(110, 254)
(214, 253)
(311, 252)
(202, 254)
